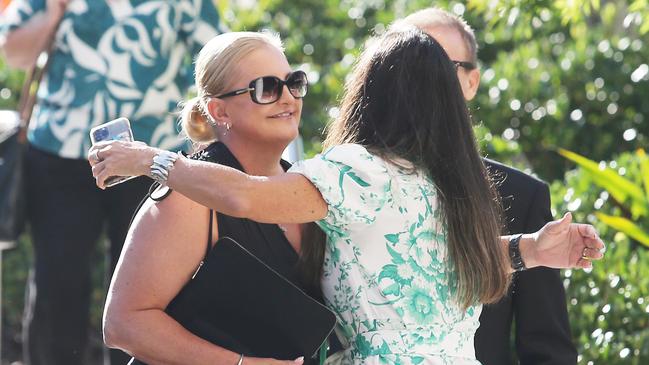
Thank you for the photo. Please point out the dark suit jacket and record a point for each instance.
(536, 300)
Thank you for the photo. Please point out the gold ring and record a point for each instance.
(583, 254)
(95, 156)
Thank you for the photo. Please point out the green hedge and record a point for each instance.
(608, 306)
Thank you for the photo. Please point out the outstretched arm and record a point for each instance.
(561, 244)
(292, 198)
(287, 198)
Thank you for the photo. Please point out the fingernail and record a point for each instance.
(299, 360)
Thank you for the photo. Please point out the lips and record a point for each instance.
(286, 114)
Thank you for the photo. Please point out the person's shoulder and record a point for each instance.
(354, 156)
(174, 210)
(508, 174)
(346, 149)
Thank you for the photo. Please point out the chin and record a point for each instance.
(288, 130)
(288, 137)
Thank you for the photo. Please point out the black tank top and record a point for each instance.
(266, 241)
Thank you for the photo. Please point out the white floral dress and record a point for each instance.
(386, 271)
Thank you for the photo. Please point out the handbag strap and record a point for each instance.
(32, 81)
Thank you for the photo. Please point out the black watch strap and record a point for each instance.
(517, 262)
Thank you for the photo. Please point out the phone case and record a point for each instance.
(115, 130)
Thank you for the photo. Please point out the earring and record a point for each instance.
(227, 125)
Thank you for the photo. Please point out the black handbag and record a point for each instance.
(13, 144)
(223, 305)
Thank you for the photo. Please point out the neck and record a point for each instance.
(257, 158)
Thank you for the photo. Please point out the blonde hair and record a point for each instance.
(435, 17)
(215, 66)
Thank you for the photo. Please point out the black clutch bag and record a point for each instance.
(238, 302)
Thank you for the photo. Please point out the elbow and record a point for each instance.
(115, 329)
(239, 205)
(238, 202)
(15, 56)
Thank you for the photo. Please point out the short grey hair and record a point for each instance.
(435, 17)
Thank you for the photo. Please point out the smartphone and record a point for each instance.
(115, 130)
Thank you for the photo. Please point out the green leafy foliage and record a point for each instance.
(558, 73)
(625, 192)
(608, 306)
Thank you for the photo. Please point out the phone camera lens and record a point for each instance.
(101, 134)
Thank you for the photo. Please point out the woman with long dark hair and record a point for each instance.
(400, 191)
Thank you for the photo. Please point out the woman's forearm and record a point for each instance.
(286, 198)
(155, 338)
(526, 246)
(35, 33)
(221, 188)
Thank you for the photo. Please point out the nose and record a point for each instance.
(287, 97)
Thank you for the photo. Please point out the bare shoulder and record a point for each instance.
(176, 225)
(173, 208)
(163, 248)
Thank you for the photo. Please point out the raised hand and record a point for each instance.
(562, 244)
(119, 158)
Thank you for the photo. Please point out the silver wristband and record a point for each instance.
(163, 162)
(240, 359)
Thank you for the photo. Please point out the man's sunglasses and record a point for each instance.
(268, 89)
(467, 65)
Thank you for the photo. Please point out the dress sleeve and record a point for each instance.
(19, 12)
(354, 183)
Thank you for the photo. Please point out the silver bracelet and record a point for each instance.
(240, 360)
(163, 162)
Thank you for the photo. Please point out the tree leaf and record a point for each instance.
(644, 170)
(619, 187)
(625, 226)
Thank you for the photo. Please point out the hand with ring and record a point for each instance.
(584, 254)
(562, 244)
(119, 158)
(94, 156)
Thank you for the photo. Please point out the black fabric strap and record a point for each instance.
(517, 262)
(209, 235)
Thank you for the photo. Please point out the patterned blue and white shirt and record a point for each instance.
(116, 58)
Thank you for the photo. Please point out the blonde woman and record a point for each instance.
(169, 238)
(413, 246)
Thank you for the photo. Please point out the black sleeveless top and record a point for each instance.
(266, 241)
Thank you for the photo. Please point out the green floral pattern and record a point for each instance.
(386, 270)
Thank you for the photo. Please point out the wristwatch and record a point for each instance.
(517, 262)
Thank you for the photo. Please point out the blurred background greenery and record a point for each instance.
(555, 74)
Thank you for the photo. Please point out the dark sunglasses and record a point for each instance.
(467, 65)
(268, 89)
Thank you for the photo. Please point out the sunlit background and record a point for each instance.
(564, 95)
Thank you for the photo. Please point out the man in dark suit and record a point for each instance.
(536, 302)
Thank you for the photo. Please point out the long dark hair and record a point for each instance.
(403, 100)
